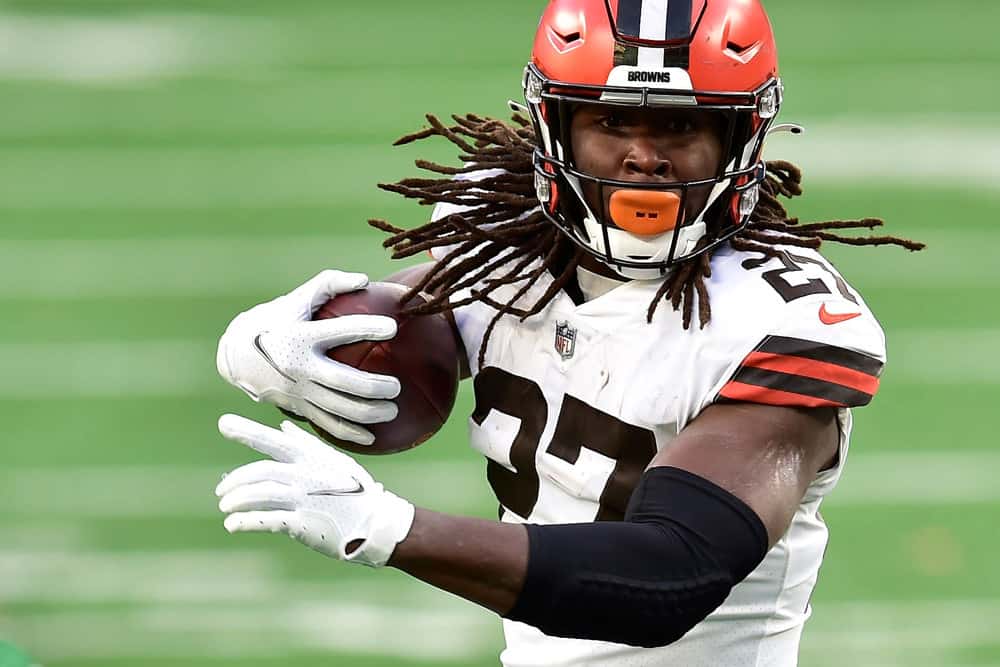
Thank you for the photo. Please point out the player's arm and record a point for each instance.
(705, 513)
(703, 517)
(764, 455)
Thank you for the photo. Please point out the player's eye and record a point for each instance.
(681, 124)
(613, 120)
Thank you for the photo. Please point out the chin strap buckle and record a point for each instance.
(517, 107)
(791, 128)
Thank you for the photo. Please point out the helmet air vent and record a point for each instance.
(742, 53)
(564, 40)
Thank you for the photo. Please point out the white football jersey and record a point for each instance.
(573, 403)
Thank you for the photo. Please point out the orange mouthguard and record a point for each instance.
(645, 212)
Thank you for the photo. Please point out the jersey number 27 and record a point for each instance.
(579, 424)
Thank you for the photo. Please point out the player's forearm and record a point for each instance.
(645, 581)
(482, 561)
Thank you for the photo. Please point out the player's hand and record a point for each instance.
(312, 493)
(276, 354)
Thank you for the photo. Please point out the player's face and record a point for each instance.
(647, 146)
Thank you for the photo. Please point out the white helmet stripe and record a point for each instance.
(652, 25)
(653, 21)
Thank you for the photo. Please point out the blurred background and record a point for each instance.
(165, 164)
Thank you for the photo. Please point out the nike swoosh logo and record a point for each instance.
(359, 489)
(835, 318)
(267, 357)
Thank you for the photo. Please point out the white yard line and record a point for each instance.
(45, 575)
(186, 491)
(858, 152)
(88, 50)
(59, 270)
(33, 573)
(197, 268)
(917, 633)
(450, 632)
(919, 478)
(108, 369)
(929, 152)
(216, 603)
(179, 177)
(213, 603)
(944, 356)
(129, 49)
(151, 368)
(901, 478)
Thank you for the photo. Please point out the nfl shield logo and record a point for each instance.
(565, 340)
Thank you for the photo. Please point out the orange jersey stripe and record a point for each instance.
(819, 370)
(751, 393)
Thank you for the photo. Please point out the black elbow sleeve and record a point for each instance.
(684, 544)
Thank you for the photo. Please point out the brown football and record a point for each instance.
(423, 356)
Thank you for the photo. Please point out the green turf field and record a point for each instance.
(167, 163)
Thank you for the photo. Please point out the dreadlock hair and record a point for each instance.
(502, 237)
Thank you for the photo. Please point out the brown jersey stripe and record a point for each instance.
(830, 354)
(805, 386)
(819, 370)
(749, 393)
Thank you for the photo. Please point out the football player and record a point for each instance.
(663, 363)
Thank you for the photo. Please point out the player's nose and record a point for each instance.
(645, 161)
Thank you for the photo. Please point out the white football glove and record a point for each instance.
(276, 354)
(312, 493)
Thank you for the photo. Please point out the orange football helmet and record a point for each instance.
(716, 55)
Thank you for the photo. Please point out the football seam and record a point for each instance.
(364, 357)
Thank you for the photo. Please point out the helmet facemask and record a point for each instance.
(644, 252)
